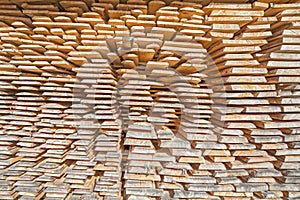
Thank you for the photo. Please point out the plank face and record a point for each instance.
(145, 100)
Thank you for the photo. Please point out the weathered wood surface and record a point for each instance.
(148, 100)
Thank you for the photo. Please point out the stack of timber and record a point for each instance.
(281, 57)
(243, 31)
(159, 99)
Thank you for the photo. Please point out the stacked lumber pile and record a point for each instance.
(236, 42)
(153, 99)
(283, 68)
